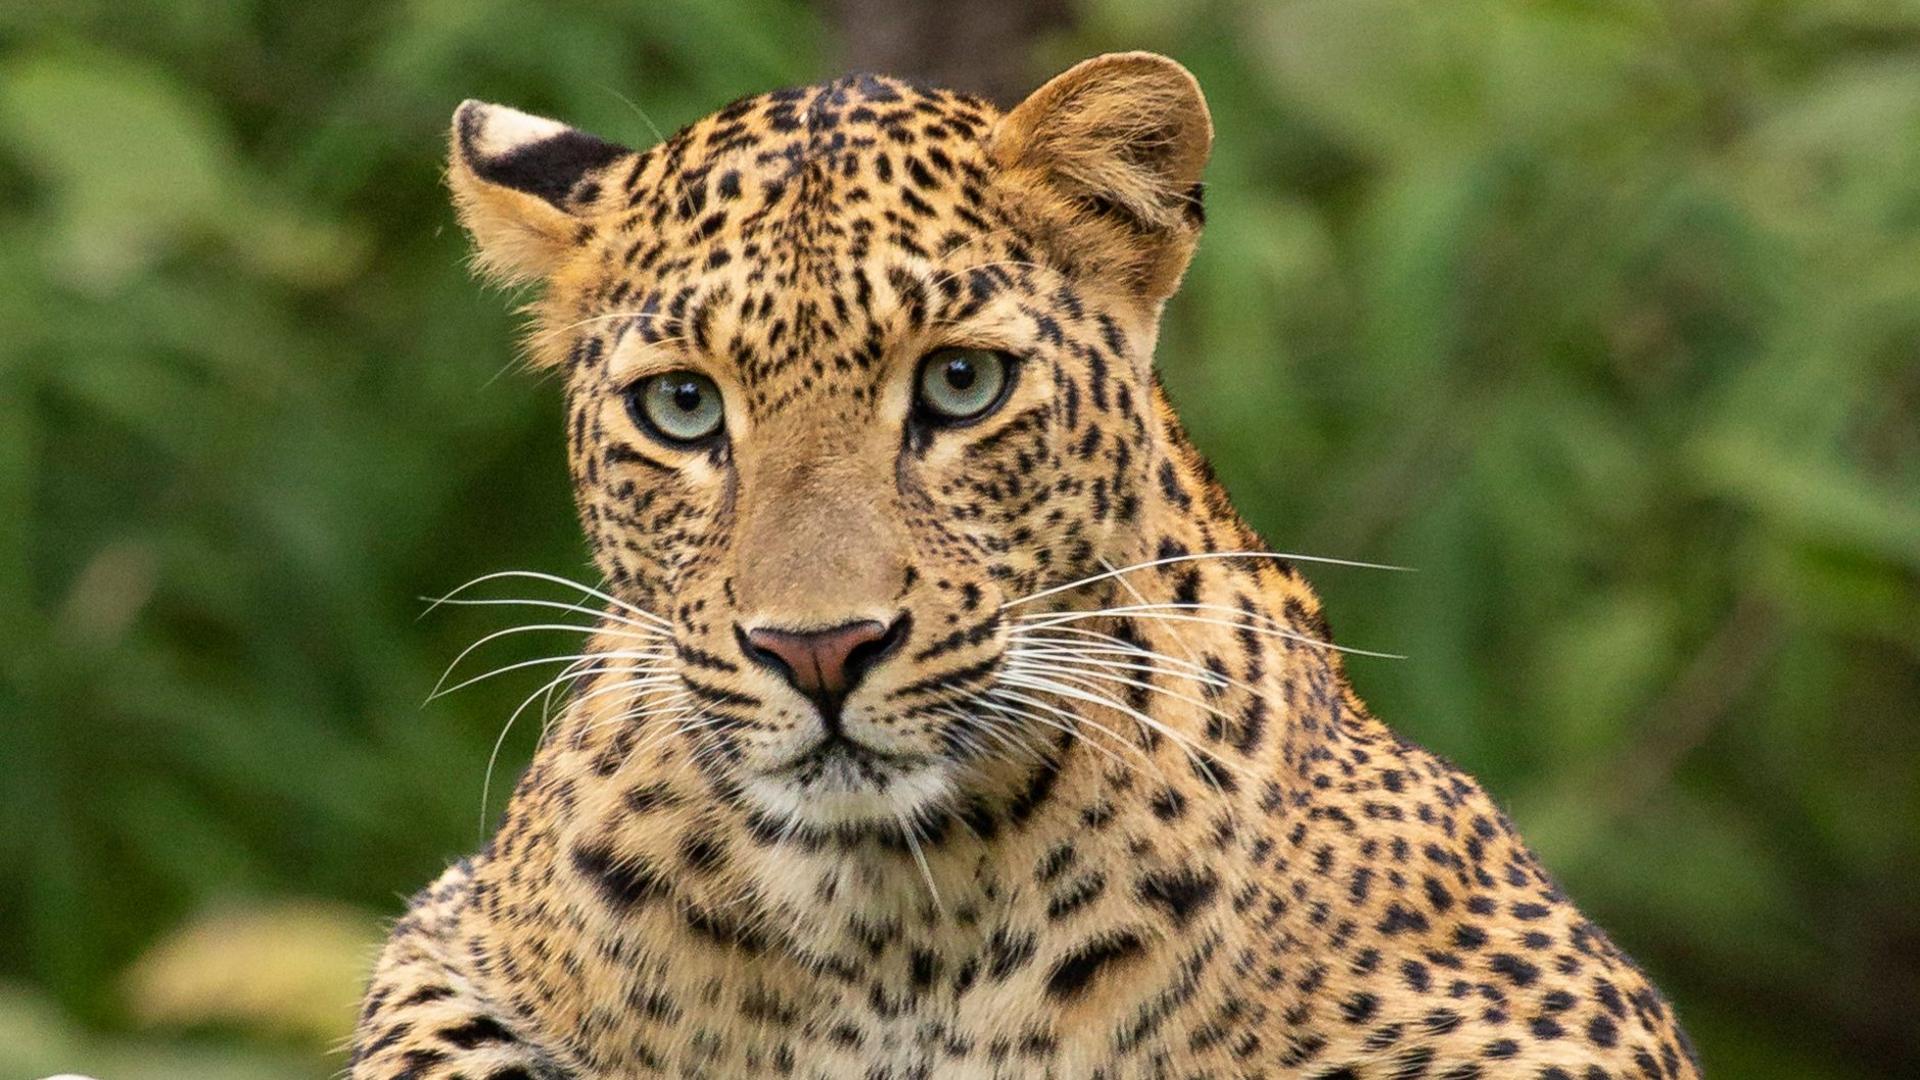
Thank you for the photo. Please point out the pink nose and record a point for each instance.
(825, 665)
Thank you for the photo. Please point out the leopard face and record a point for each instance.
(848, 371)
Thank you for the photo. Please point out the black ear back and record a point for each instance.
(523, 185)
(525, 153)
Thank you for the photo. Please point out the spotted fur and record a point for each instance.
(1204, 860)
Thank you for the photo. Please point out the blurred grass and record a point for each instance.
(1604, 316)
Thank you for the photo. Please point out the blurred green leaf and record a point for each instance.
(1606, 317)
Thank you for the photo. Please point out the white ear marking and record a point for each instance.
(492, 131)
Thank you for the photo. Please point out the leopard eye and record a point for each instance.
(960, 384)
(677, 406)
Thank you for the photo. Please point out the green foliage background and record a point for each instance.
(1605, 316)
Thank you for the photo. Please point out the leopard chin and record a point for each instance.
(840, 786)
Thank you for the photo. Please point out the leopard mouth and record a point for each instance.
(841, 761)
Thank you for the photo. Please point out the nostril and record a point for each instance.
(863, 656)
(762, 654)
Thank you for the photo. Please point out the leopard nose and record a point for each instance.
(825, 665)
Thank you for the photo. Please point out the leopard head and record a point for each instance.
(849, 368)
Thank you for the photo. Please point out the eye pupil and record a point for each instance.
(959, 384)
(678, 407)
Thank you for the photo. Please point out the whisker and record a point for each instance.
(1120, 645)
(1197, 556)
(580, 669)
(926, 872)
(486, 782)
(617, 654)
(993, 700)
(1084, 655)
(554, 579)
(1063, 672)
(636, 628)
(995, 730)
(686, 720)
(1022, 635)
(1206, 676)
(526, 629)
(1140, 598)
(1160, 612)
(1053, 686)
(644, 687)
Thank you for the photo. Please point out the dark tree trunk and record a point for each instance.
(978, 46)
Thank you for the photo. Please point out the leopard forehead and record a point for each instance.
(801, 243)
(796, 242)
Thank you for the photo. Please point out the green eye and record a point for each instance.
(678, 406)
(961, 384)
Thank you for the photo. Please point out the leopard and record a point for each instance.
(938, 715)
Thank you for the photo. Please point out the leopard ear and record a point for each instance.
(524, 186)
(1120, 142)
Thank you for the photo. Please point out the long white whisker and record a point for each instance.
(486, 783)
(1023, 635)
(686, 720)
(638, 628)
(1001, 731)
(554, 579)
(926, 872)
(993, 728)
(1141, 598)
(1070, 650)
(1162, 613)
(653, 691)
(526, 629)
(1053, 686)
(995, 698)
(615, 654)
(1277, 555)
(1061, 671)
(1082, 655)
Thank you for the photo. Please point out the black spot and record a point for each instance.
(1359, 1008)
(1601, 1031)
(1519, 972)
(480, 1029)
(1180, 893)
(1400, 918)
(1412, 1063)
(1008, 952)
(1415, 974)
(1076, 969)
(701, 852)
(623, 883)
(1168, 804)
(923, 967)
